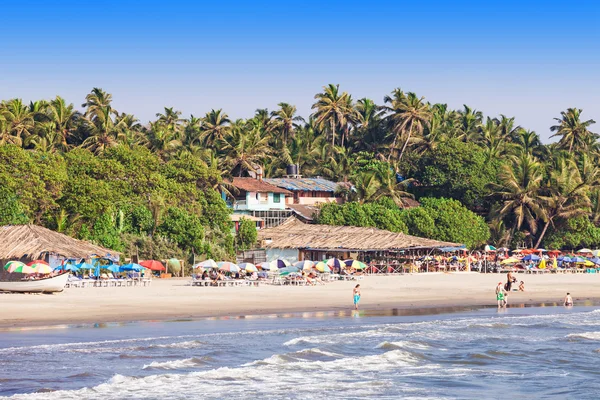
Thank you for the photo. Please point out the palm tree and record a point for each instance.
(162, 139)
(390, 187)
(19, 121)
(65, 119)
(409, 116)
(331, 110)
(574, 134)
(244, 149)
(528, 142)
(566, 195)
(102, 131)
(286, 121)
(170, 119)
(520, 192)
(96, 101)
(215, 125)
(469, 121)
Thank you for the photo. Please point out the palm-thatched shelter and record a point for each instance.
(296, 240)
(32, 242)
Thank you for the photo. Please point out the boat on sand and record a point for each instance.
(44, 285)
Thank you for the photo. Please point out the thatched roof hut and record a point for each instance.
(32, 242)
(294, 234)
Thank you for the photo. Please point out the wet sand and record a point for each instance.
(175, 299)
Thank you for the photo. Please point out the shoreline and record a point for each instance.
(171, 300)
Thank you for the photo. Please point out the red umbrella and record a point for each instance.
(37, 262)
(153, 265)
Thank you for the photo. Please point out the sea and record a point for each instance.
(548, 352)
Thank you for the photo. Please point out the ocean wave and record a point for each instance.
(178, 364)
(403, 344)
(298, 356)
(585, 335)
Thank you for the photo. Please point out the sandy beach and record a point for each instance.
(175, 299)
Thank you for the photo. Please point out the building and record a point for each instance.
(294, 240)
(307, 191)
(259, 199)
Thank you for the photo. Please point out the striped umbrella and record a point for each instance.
(208, 264)
(228, 266)
(40, 268)
(248, 267)
(279, 263)
(334, 263)
(30, 263)
(304, 265)
(19, 267)
(265, 266)
(322, 267)
(355, 264)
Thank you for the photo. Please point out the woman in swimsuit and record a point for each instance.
(356, 293)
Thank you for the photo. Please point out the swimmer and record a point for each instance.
(568, 300)
(356, 293)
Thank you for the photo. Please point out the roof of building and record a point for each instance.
(294, 234)
(304, 184)
(306, 212)
(32, 242)
(258, 186)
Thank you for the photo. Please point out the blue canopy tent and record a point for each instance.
(131, 267)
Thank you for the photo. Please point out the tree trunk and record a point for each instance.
(542, 234)
(332, 133)
(405, 143)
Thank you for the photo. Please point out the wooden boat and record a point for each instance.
(45, 285)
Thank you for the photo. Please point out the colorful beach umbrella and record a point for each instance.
(207, 264)
(322, 267)
(279, 263)
(41, 268)
(30, 263)
(248, 267)
(153, 265)
(20, 268)
(355, 264)
(265, 266)
(510, 261)
(531, 257)
(228, 266)
(11, 265)
(542, 264)
(489, 247)
(84, 266)
(288, 270)
(334, 263)
(304, 265)
(584, 251)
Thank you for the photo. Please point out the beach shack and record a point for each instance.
(32, 242)
(308, 191)
(295, 240)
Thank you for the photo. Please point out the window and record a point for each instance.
(276, 198)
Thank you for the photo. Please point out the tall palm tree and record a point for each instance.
(65, 119)
(566, 195)
(97, 102)
(170, 118)
(409, 115)
(215, 125)
(19, 121)
(102, 131)
(574, 133)
(331, 110)
(470, 121)
(286, 121)
(162, 139)
(245, 149)
(520, 192)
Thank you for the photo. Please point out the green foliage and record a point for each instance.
(457, 170)
(105, 231)
(183, 228)
(574, 233)
(11, 211)
(246, 235)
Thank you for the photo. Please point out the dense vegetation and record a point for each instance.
(102, 175)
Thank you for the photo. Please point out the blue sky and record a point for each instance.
(528, 60)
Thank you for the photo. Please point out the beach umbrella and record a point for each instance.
(489, 247)
(306, 265)
(67, 267)
(322, 267)
(279, 263)
(114, 268)
(584, 251)
(11, 265)
(554, 263)
(84, 265)
(595, 260)
(531, 257)
(579, 260)
(207, 264)
(291, 268)
(355, 264)
(30, 263)
(41, 268)
(542, 250)
(334, 263)
(510, 261)
(19, 267)
(153, 265)
(503, 249)
(542, 264)
(131, 267)
(248, 267)
(228, 266)
(596, 253)
(565, 259)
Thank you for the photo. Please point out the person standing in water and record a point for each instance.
(500, 295)
(356, 293)
(568, 300)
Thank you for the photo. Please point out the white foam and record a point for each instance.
(585, 335)
(176, 364)
(403, 344)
